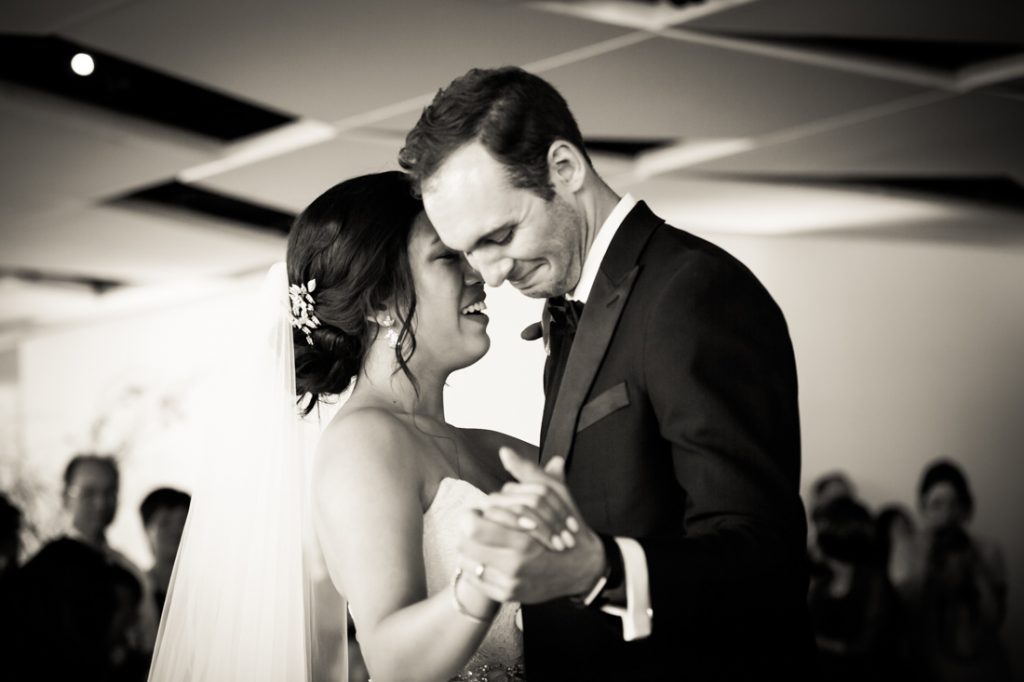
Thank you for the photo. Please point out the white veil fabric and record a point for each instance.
(240, 603)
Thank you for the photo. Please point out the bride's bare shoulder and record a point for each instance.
(366, 443)
(367, 485)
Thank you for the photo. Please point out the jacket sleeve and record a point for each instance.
(721, 379)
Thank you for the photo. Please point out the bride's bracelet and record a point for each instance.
(458, 604)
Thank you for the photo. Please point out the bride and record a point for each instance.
(373, 299)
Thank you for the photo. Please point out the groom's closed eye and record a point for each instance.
(505, 237)
(500, 237)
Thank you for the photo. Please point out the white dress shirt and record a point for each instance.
(637, 614)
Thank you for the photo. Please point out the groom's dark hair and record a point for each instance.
(515, 115)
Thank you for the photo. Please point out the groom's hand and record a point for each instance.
(530, 538)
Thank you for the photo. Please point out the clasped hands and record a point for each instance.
(528, 542)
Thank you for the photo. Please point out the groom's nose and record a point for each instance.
(493, 270)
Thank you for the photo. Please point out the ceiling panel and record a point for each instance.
(948, 20)
(710, 206)
(360, 71)
(291, 181)
(973, 134)
(59, 152)
(668, 88)
(328, 59)
(648, 16)
(48, 16)
(135, 246)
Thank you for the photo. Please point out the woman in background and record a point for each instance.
(958, 592)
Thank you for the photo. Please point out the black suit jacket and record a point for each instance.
(678, 416)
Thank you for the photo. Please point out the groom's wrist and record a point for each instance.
(609, 578)
(616, 566)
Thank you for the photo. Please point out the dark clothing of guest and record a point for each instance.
(957, 613)
(62, 618)
(857, 630)
(852, 605)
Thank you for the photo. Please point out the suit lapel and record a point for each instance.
(593, 335)
(607, 299)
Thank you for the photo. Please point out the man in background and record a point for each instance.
(77, 608)
(90, 497)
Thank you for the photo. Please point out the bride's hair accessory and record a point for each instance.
(301, 296)
(392, 333)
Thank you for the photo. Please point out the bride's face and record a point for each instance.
(451, 332)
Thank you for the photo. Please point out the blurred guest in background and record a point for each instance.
(90, 500)
(127, 662)
(958, 592)
(91, 487)
(163, 515)
(827, 487)
(895, 538)
(850, 602)
(10, 540)
(61, 621)
(830, 486)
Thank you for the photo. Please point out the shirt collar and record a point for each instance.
(603, 239)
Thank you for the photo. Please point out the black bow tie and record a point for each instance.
(565, 314)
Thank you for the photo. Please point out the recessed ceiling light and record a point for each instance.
(83, 64)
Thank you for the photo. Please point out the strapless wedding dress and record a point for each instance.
(500, 656)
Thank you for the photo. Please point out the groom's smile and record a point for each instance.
(519, 277)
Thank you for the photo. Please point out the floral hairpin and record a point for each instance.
(301, 296)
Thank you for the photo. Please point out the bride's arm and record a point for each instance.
(369, 520)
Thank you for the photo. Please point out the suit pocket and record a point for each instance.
(610, 400)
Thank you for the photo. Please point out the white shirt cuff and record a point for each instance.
(637, 614)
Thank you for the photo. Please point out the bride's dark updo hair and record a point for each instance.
(353, 240)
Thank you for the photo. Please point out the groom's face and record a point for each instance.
(506, 232)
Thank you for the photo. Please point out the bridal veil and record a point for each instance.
(240, 604)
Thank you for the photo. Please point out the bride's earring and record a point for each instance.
(392, 334)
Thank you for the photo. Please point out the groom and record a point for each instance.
(670, 391)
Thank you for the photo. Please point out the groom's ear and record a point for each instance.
(567, 166)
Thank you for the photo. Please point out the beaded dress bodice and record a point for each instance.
(500, 655)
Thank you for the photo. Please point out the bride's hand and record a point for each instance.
(541, 508)
(510, 565)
